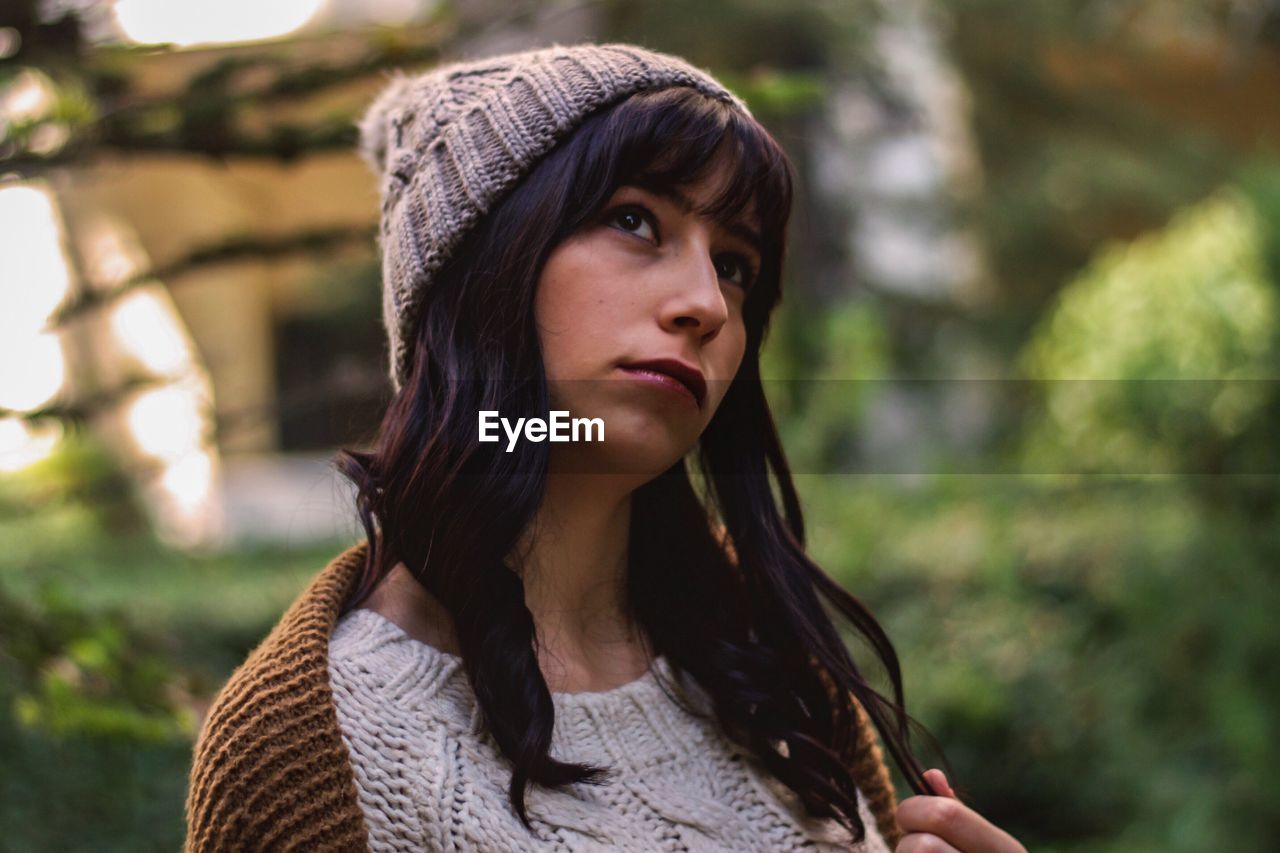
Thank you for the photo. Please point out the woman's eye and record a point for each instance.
(740, 267)
(633, 218)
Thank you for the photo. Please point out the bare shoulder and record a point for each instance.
(400, 599)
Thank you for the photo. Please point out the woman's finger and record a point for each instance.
(923, 842)
(938, 780)
(955, 823)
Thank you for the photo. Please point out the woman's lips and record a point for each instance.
(662, 380)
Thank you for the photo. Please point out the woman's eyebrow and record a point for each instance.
(737, 228)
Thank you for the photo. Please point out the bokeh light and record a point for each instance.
(22, 444)
(149, 330)
(188, 23)
(188, 481)
(34, 277)
(166, 423)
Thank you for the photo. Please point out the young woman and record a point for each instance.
(610, 641)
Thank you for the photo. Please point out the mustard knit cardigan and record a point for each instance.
(270, 770)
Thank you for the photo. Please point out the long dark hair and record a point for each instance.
(721, 584)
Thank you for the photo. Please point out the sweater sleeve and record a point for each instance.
(269, 769)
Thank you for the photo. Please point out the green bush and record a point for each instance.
(1160, 357)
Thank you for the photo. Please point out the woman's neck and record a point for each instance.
(573, 561)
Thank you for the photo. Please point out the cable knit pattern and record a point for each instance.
(431, 779)
(350, 735)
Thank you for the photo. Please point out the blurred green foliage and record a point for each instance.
(83, 672)
(110, 647)
(1162, 356)
(1094, 657)
(1092, 648)
(1094, 652)
(1068, 163)
(819, 405)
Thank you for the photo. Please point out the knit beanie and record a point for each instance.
(447, 144)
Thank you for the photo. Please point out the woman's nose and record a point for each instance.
(696, 300)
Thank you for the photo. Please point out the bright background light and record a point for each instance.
(188, 481)
(28, 96)
(148, 329)
(33, 280)
(34, 370)
(22, 445)
(185, 22)
(33, 272)
(167, 422)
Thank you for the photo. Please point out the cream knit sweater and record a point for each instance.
(429, 778)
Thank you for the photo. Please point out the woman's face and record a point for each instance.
(646, 281)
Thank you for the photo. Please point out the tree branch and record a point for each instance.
(315, 241)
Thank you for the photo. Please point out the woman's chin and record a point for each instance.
(638, 456)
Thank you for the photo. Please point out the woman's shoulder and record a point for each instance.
(383, 679)
(396, 650)
(371, 643)
(271, 732)
(404, 602)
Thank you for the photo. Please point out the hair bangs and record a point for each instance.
(674, 137)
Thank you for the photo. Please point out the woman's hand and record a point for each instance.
(946, 825)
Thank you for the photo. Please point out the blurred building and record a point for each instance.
(261, 335)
